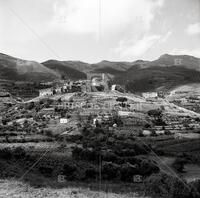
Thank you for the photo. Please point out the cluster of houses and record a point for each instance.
(93, 81)
(68, 87)
(84, 106)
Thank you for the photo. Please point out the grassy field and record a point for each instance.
(12, 188)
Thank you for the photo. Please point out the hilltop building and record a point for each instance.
(95, 80)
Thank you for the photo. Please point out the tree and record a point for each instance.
(30, 106)
(122, 100)
(147, 125)
(155, 113)
(164, 186)
(179, 164)
(4, 121)
(48, 103)
(59, 100)
(117, 120)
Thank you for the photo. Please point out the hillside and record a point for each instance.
(65, 69)
(194, 87)
(86, 67)
(120, 66)
(137, 76)
(77, 65)
(155, 77)
(186, 61)
(17, 69)
(108, 70)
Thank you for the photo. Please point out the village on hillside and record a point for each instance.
(77, 125)
(68, 104)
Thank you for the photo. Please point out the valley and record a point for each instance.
(90, 129)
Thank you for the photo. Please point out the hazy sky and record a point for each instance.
(94, 30)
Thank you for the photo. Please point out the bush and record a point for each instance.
(110, 170)
(85, 154)
(196, 186)
(29, 106)
(108, 156)
(165, 186)
(122, 99)
(178, 164)
(19, 153)
(98, 130)
(127, 172)
(91, 173)
(5, 153)
(48, 132)
(138, 148)
(69, 171)
(147, 168)
(47, 171)
(125, 152)
(155, 113)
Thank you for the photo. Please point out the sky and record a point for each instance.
(95, 30)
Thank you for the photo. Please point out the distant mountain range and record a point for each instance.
(21, 70)
(167, 72)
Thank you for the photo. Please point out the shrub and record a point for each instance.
(110, 170)
(91, 173)
(147, 168)
(127, 172)
(196, 186)
(165, 186)
(125, 152)
(178, 164)
(69, 171)
(108, 156)
(48, 132)
(19, 153)
(155, 113)
(138, 148)
(29, 106)
(5, 153)
(85, 154)
(47, 171)
(122, 99)
(98, 130)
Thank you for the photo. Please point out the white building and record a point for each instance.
(150, 94)
(46, 92)
(63, 120)
(125, 113)
(160, 132)
(113, 88)
(146, 132)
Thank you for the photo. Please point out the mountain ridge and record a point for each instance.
(141, 75)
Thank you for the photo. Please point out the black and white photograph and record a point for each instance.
(99, 98)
